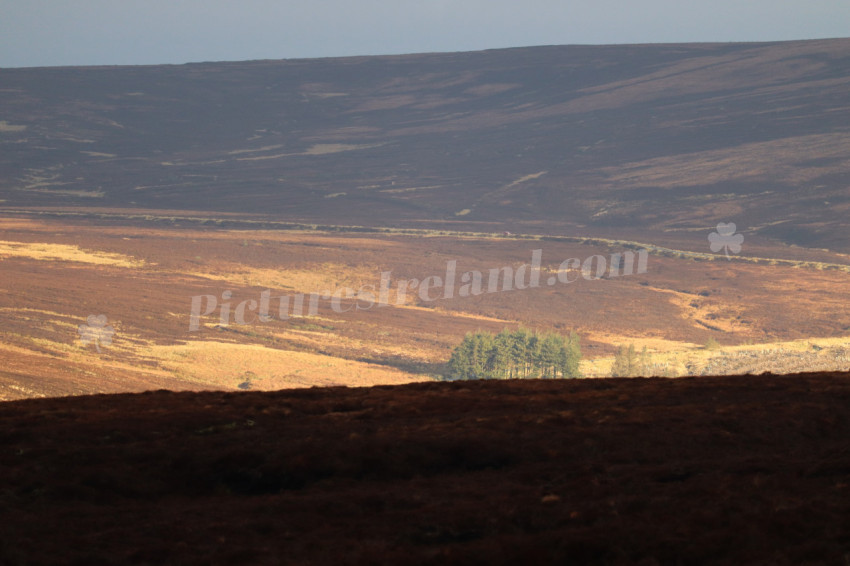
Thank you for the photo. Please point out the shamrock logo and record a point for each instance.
(726, 239)
(96, 331)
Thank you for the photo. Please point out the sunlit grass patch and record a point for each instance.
(228, 365)
(65, 252)
(313, 279)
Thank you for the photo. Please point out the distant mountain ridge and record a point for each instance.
(668, 139)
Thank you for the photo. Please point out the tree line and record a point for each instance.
(520, 354)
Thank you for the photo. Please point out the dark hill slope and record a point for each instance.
(581, 139)
(734, 470)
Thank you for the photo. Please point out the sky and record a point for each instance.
(36, 33)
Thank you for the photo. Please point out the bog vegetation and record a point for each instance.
(520, 354)
(629, 363)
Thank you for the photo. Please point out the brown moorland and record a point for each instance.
(126, 191)
(57, 272)
(715, 470)
(637, 142)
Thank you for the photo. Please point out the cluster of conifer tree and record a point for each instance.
(520, 354)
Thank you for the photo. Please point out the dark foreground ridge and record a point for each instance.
(741, 470)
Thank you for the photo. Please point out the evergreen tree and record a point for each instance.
(460, 366)
(482, 344)
(519, 354)
(570, 356)
(503, 366)
(519, 351)
(532, 356)
(551, 348)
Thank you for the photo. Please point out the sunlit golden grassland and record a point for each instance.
(142, 278)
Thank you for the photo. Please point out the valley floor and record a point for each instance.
(88, 306)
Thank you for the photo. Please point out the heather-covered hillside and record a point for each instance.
(733, 470)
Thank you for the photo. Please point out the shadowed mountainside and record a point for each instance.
(622, 140)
